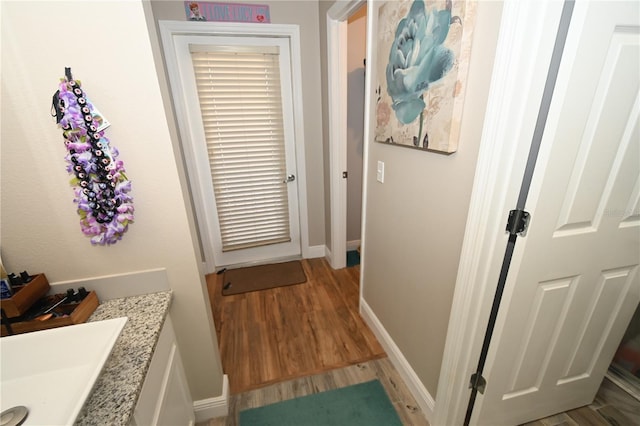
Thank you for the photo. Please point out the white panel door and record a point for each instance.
(284, 182)
(574, 284)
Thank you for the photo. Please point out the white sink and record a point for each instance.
(52, 372)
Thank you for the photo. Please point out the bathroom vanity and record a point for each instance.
(143, 381)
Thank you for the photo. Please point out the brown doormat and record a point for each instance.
(262, 277)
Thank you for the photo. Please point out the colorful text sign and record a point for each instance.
(226, 12)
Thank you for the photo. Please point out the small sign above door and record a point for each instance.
(226, 12)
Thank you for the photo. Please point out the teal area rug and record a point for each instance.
(356, 405)
(353, 258)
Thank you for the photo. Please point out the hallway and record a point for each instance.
(284, 333)
(281, 339)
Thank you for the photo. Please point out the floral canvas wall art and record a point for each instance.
(423, 58)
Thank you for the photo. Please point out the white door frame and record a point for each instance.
(337, 17)
(168, 30)
(525, 45)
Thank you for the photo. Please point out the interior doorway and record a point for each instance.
(337, 55)
(356, 61)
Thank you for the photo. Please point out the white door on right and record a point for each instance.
(574, 282)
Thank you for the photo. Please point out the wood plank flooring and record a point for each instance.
(612, 406)
(288, 332)
(380, 369)
(292, 341)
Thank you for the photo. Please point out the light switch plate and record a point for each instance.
(380, 174)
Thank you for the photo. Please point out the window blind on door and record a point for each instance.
(241, 105)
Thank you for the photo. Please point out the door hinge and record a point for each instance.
(477, 382)
(518, 222)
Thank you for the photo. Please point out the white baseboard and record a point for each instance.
(210, 408)
(423, 398)
(353, 245)
(313, 252)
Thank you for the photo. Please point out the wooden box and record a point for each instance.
(78, 312)
(25, 296)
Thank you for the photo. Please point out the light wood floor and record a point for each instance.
(288, 332)
(612, 406)
(380, 369)
(302, 339)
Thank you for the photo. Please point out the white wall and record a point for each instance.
(107, 45)
(415, 220)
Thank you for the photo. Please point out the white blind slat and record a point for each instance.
(240, 101)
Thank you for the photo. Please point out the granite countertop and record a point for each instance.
(117, 389)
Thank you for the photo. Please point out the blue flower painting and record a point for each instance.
(428, 44)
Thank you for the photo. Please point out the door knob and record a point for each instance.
(289, 178)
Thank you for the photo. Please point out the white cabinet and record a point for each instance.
(165, 397)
